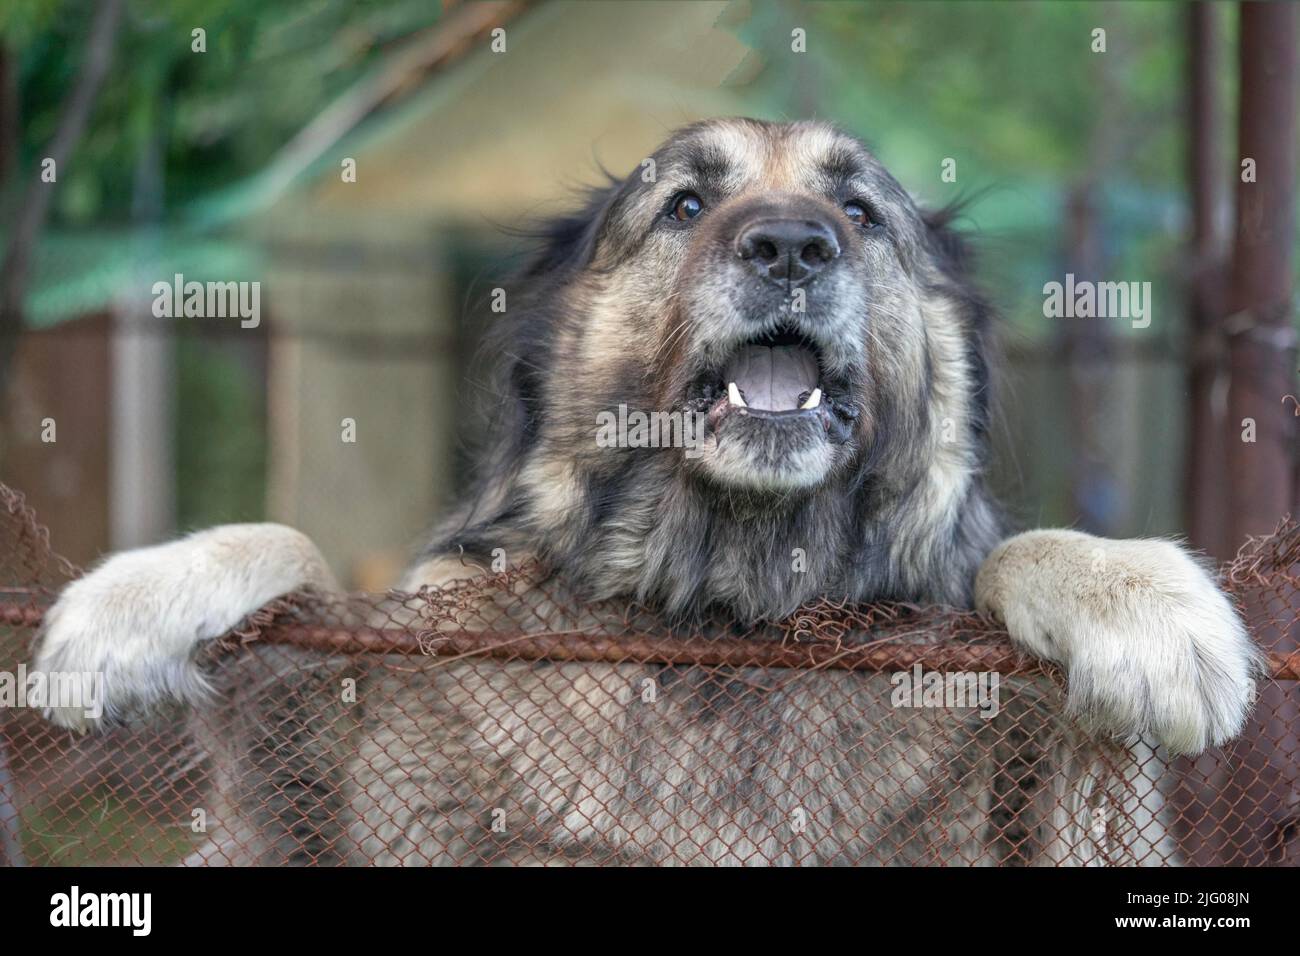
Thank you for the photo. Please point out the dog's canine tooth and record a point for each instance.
(733, 395)
(814, 399)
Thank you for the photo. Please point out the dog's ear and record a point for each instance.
(950, 248)
(567, 243)
(520, 341)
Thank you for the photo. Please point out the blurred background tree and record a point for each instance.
(213, 120)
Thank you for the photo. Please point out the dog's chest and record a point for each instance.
(489, 762)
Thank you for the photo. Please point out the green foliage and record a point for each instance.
(22, 21)
(215, 117)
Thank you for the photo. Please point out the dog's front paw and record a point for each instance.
(121, 640)
(103, 655)
(1149, 643)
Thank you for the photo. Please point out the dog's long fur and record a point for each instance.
(880, 489)
(907, 517)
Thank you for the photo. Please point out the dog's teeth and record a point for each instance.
(814, 399)
(733, 395)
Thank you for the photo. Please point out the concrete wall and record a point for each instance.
(362, 330)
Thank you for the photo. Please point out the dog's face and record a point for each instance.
(774, 284)
(764, 277)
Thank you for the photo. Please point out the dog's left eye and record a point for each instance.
(857, 213)
(687, 206)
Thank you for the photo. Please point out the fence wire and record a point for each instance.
(500, 721)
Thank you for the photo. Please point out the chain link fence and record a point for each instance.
(500, 721)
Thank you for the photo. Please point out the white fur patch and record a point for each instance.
(1149, 642)
(138, 617)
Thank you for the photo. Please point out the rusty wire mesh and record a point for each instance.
(500, 721)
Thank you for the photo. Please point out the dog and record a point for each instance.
(774, 283)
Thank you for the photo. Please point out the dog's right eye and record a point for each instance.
(687, 206)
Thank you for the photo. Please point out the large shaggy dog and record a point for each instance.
(777, 284)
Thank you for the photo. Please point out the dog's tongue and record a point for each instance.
(773, 378)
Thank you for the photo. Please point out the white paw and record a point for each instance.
(126, 632)
(1149, 643)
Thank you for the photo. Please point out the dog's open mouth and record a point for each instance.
(774, 378)
(778, 375)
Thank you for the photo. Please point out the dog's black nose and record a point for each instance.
(788, 252)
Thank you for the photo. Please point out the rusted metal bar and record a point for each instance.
(652, 648)
(635, 647)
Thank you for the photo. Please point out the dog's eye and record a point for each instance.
(687, 206)
(857, 213)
